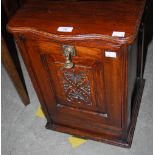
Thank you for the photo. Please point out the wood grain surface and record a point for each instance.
(89, 19)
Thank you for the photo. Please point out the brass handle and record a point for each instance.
(69, 51)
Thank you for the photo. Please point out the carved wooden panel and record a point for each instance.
(77, 86)
(73, 87)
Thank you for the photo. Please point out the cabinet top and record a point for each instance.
(84, 19)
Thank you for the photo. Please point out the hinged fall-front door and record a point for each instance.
(77, 78)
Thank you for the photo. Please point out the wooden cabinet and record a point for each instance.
(89, 82)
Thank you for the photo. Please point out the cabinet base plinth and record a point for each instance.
(126, 143)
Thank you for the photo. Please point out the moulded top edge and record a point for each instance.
(88, 20)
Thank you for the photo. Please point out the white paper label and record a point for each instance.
(118, 34)
(110, 54)
(65, 29)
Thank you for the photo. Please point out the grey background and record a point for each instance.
(24, 134)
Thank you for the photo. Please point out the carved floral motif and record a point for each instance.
(77, 87)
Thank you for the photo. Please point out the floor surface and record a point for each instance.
(24, 134)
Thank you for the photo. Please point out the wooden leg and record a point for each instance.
(12, 72)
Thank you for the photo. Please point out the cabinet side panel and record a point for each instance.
(132, 71)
